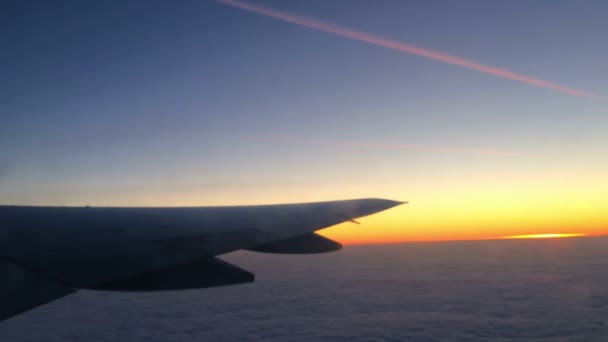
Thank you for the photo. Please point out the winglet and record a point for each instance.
(348, 218)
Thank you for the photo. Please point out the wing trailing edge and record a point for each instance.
(22, 289)
(193, 275)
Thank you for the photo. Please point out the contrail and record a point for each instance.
(405, 47)
(436, 149)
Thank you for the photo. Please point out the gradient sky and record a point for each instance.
(201, 103)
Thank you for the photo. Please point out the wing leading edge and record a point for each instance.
(49, 252)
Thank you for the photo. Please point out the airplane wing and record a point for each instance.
(49, 252)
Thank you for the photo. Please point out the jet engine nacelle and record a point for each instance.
(303, 244)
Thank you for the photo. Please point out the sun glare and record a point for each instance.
(543, 236)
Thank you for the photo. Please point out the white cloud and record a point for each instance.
(548, 290)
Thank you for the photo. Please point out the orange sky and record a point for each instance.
(453, 205)
(484, 211)
(449, 206)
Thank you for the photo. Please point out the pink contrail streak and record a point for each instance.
(436, 149)
(404, 47)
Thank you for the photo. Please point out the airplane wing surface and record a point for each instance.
(49, 252)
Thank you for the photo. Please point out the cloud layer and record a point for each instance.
(549, 290)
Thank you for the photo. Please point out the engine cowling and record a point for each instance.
(303, 244)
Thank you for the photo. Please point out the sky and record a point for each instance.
(489, 117)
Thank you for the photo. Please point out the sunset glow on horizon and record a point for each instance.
(545, 236)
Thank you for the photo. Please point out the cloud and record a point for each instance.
(544, 290)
